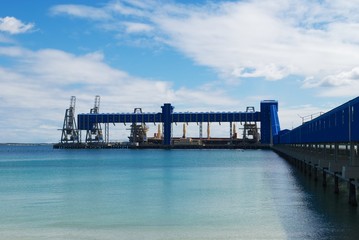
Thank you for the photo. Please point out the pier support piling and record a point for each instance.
(315, 174)
(336, 184)
(352, 194)
(301, 166)
(324, 178)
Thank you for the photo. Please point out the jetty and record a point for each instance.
(324, 147)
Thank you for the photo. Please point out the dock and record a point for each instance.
(325, 146)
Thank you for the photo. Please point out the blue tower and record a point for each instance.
(269, 121)
(167, 110)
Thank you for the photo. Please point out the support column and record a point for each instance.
(208, 131)
(300, 165)
(336, 184)
(352, 194)
(315, 174)
(167, 110)
(324, 178)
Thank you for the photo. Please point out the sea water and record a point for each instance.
(164, 194)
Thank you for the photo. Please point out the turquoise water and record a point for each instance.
(161, 194)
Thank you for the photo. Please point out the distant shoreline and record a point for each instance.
(25, 144)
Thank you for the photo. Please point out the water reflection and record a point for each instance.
(309, 211)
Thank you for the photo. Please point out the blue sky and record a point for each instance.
(198, 55)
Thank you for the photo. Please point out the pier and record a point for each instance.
(325, 147)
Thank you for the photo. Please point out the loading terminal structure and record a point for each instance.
(91, 122)
(324, 147)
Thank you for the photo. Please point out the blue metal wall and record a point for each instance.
(338, 125)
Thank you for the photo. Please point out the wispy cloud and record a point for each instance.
(5, 39)
(341, 79)
(345, 83)
(133, 27)
(81, 11)
(14, 26)
(251, 39)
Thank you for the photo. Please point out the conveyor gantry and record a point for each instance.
(266, 117)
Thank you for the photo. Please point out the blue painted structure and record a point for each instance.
(269, 121)
(268, 118)
(340, 125)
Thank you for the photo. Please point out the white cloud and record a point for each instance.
(345, 83)
(13, 51)
(14, 26)
(251, 39)
(270, 72)
(81, 11)
(271, 40)
(133, 27)
(129, 8)
(342, 79)
(254, 38)
(39, 84)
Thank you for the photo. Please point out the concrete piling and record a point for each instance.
(336, 184)
(352, 194)
(324, 178)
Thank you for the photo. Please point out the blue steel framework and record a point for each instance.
(340, 125)
(267, 117)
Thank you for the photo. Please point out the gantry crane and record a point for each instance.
(250, 129)
(138, 131)
(70, 132)
(95, 134)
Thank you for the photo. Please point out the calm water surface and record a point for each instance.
(159, 194)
